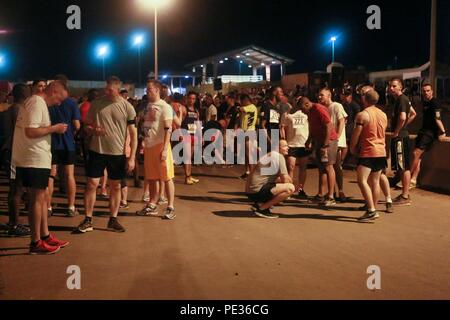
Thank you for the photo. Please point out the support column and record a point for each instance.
(255, 71)
(204, 74)
(171, 84)
(282, 68)
(268, 73)
(193, 80)
(216, 70)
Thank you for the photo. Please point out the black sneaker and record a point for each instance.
(389, 207)
(244, 176)
(369, 215)
(318, 199)
(114, 225)
(263, 213)
(19, 231)
(149, 210)
(85, 226)
(302, 194)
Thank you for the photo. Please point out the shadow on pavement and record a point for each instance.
(214, 199)
(249, 214)
(14, 254)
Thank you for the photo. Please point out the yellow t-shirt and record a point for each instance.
(249, 118)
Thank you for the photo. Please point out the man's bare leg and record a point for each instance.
(90, 196)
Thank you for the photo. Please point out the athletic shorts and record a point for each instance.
(425, 140)
(332, 155)
(264, 195)
(34, 178)
(154, 168)
(299, 152)
(400, 154)
(374, 164)
(114, 165)
(63, 157)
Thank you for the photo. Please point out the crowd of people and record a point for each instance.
(46, 130)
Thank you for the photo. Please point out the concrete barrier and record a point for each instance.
(435, 168)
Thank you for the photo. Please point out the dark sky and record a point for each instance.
(41, 45)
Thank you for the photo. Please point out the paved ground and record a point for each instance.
(217, 249)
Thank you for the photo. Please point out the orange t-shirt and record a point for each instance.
(373, 135)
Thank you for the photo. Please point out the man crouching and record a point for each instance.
(269, 183)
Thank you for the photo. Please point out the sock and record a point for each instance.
(46, 237)
(88, 218)
(72, 208)
(388, 199)
(34, 243)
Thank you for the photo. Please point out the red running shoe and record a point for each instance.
(52, 241)
(41, 247)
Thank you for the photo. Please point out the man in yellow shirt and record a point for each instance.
(248, 120)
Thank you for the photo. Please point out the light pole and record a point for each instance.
(333, 40)
(155, 4)
(433, 78)
(102, 52)
(138, 42)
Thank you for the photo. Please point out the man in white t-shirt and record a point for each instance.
(158, 160)
(295, 130)
(211, 112)
(338, 118)
(32, 160)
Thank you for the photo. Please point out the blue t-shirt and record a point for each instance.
(66, 112)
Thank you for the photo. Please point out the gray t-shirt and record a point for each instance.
(268, 169)
(114, 117)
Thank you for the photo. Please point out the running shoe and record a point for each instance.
(114, 225)
(124, 205)
(169, 214)
(162, 201)
(263, 213)
(363, 208)
(149, 210)
(318, 199)
(369, 215)
(52, 241)
(19, 231)
(85, 226)
(402, 201)
(194, 180)
(302, 194)
(41, 247)
(72, 213)
(328, 202)
(389, 207)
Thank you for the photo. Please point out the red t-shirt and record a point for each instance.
(318, 118)
(84, 108)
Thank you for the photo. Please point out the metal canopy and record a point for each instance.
(251, 55)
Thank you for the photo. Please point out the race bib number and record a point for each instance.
(192, 127)
(274, 116)
(298, 122)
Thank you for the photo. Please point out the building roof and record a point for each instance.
(251, 55)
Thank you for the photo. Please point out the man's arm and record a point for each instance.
(359, 125)
(400, 124)
(341, 127)
(412, 115)
(132, 131)
(35, 133)
(327, 127)
(167, 134)
(76, 125)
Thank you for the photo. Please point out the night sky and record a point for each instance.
(39, 44)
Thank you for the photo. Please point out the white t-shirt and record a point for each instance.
(212, 111)
(155, 114)
(296, 128)
(337, 112)
(32, 153)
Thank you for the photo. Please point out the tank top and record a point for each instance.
(189, 121)
(373, 135)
